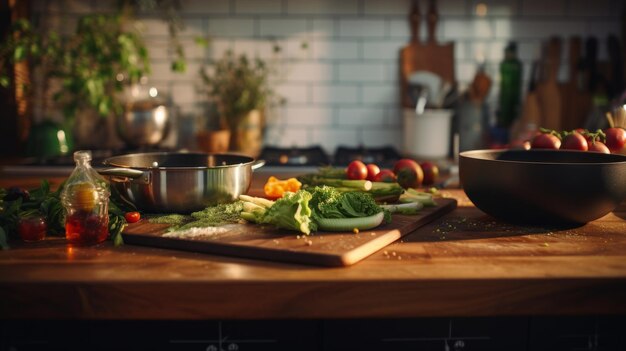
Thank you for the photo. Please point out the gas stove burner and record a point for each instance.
(382, 156)
(295, 156)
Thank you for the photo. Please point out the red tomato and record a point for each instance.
(545, 141)
(598, 146)
(356, 170)
(615, 139)
(575, 141)
(431, 172)
(372, 171)
(409, 173)
(32, 228)
(132, 217)
(386, 176)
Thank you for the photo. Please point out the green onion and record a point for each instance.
(349, 224)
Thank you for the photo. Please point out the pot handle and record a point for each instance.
(257, 164)
(137, 175)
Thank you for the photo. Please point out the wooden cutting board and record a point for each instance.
(321, 248)
(548, 92)
(430, 56)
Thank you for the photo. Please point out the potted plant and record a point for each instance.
(84, 73)
(239, 89)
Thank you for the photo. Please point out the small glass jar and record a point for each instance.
(85, 198)
(32, 228)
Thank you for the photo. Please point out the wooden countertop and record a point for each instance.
(464, 264)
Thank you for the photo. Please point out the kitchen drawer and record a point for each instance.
(160, 335)
(440, 334)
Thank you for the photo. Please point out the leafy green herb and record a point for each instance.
(209, 217)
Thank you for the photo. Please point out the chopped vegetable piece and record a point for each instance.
(275, 188)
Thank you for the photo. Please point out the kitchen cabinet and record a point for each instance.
(465, 280)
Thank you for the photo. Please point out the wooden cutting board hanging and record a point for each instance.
(430, 56)
(548, 91)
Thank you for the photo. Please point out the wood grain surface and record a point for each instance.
(264, 242)
(462, 264)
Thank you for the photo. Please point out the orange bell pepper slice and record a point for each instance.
(275, 188)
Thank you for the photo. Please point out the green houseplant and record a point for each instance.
(83, 73)
(240, 90)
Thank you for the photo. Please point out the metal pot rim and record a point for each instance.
(249, 161)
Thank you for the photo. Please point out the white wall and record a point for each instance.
(343, 88)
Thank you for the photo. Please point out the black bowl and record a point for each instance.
(543, 186)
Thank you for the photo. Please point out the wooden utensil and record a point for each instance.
(322, 248)
(548, 92)
(430, 56)
(531, 112)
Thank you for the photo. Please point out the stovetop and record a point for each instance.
(289, 158)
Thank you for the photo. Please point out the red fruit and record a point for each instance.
(599, 146)
(431, 172)
(545, 141)
(372, 171)
(409, 173)
(386, 175)
(132, 217)
(356, 170)
(575, 141)
(615, 139)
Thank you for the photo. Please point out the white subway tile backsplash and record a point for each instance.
(529, 50)
(282, 136)
(543, 7)
(323, 28)
(361, 116)
(496, 7)
(277, 27)
(205, 7)
(342, 87)
(185, 93)
(335, 94)
(293, 93)
(450, 8)
(600, 8)
(465, 71)
(468, 29)
(362, 72)
(231, 27)
(379, 137)
(380, 94)
(537, 29)
(379, 49)
(335, 50)
(193, 28)
(262, 7)
(361, 28)
(331, 138)
(308, 116)
(310, 72)
(387, 7)
(322, 7)
(217, 47)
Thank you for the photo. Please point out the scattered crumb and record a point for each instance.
(193, 233)
(355, 230)
(309, 243)
(393, 253)
(545, 244)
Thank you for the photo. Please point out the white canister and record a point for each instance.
(427, 135)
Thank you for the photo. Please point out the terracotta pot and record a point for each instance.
(213, 140)
(247, 136)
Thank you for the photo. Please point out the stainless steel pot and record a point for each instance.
(164, 182)
(144, 123)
